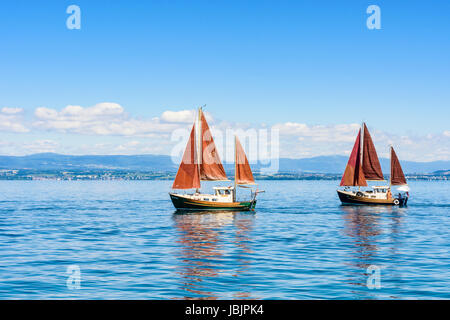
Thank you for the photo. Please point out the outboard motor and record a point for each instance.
(403, 200)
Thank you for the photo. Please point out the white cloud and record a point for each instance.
(40, 146)
(335, 133)
(100, 119)
(128, 146)
(131, 135)
(28, 147)
(11, 120)
(7, 110)
(184, 116)
(11, 125)
(299, 140)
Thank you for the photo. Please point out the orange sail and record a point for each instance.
(397, 176)
(243, 171)
(210, 167)
(188, 174)
(353, 174)
(370, 164)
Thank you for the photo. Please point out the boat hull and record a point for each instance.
(353, 199)
(184, 203)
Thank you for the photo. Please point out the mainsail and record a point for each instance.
(243, 171)
(353, 174)
(370, 164)
(211, 167)
(397, 176)
(188, 173)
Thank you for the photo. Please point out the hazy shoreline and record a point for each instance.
(130, 175)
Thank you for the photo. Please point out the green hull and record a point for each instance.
(182, 203)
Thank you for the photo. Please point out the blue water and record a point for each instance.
(300, 243)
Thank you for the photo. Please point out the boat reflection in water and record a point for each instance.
(362, 225)
(206, 264)
(374, 237)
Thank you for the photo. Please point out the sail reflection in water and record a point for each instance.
(206, 256)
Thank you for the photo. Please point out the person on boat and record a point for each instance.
(389, 194)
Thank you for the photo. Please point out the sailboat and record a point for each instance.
(201, 162)
(363, 165)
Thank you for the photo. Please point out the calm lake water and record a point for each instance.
(129, 243)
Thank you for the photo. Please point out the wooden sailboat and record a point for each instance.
(201, 162)
(363, 165)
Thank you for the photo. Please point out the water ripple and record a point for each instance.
(129, 243)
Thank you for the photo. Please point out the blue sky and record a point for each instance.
(271, 62)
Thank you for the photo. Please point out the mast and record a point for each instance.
(362, 144)
(390, 162)
(361, 154)
(199, 142)
(235, 169)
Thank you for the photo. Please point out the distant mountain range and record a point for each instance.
(54, 161)
(161, 163)
(336, 164)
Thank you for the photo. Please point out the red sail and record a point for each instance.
(243, 172)
(397, 176)
(353, 174)
(211, 167)
(371, 165)
(188, 175)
